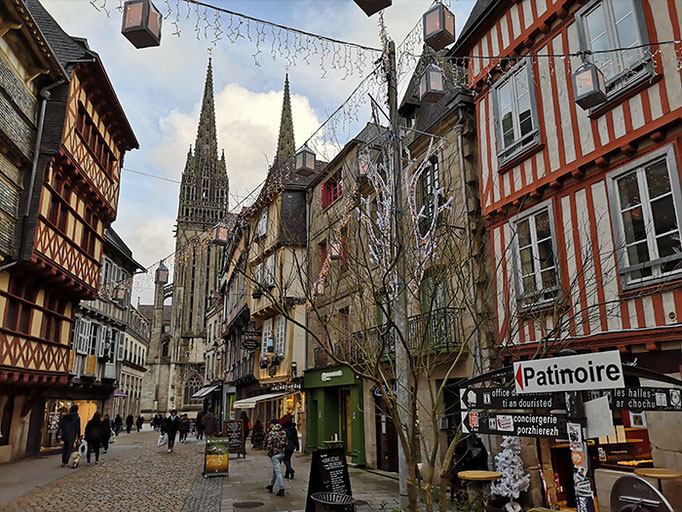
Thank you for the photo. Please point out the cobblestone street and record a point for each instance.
(136, 475)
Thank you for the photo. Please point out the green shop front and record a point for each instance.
(334, 411)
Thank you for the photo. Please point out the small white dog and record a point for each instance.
(75, 459)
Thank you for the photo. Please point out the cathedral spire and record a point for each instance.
(285, 143)
(207, 140)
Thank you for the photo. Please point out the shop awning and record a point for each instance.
(119, 394)
(205, 391)
(250, 403)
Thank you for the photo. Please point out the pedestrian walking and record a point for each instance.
(118, 423)
(248, 427)
(93, 435)
(70, 427)
(200, 425)
(183, 428)
(292, 446)
(139, 422)
(210, 424)
(257, 435)
(275, 445)
(129, 423)
(170, 428)
(106, 433)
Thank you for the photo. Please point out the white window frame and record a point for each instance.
(280, 335)
(120, 338)
(524, 143)
(262, 225)
(101, 339)
(668, 154)
(93, 338)
(270, 270)
(520, 295)
(267, 335)
(625, 78)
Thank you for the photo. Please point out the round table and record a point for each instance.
(659, 474)
(478, 478)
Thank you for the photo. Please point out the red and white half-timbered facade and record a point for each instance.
(583, 207)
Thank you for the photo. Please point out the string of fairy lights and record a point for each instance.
(292, 46)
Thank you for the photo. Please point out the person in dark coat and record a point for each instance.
(129, 423)
(257, 435)
(292, 446)
(170, 428)
(247, 424)
(118, 423)
(93, 435)
(70, 426)
(210, 424)
(106, 432)
(183, 428)
(200, 425)
(139, 422)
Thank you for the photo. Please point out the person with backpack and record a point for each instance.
(170, 428)
(93, 435)
(275, 446)
(70, 427)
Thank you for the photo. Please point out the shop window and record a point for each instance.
(608, 24)
(193, 384)
(645, 199)
(515, 112)
(538, 281)
(332, 189)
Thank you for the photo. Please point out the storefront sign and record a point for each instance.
(286, 386)
(327, 376)
(328, 473)
(216, 456)
(521, 425)
(507, 398)
(601, 370)
(642, 399)
(251, 340)
(381, 390)
(339, 376)
(235, 433)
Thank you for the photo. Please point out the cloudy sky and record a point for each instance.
(161, 89)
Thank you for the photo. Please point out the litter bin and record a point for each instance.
(333, 502)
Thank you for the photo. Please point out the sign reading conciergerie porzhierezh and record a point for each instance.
(600, 370)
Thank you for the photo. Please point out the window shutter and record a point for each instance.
(83, 337)
(101, 338)
(120, 335)
(75, 333)
(270, 270)
(281, 335)
(267, 335)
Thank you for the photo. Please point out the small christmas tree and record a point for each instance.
(514, 479)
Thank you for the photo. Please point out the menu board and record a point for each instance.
(234, 431)
(216, 456)
(328, 473)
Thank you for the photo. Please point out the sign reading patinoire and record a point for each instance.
(601, 370)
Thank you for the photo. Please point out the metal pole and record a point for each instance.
(400, 319)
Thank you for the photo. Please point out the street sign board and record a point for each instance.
(521, 425)
(600, 370)
(642, 399)
(508, 398)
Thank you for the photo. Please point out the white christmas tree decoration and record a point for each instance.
(514, 479)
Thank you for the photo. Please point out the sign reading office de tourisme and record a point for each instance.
(599, 370)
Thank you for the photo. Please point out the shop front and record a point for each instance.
(273, 403)
(335, 411)
(54, 410)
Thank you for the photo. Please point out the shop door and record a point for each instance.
(387, 438)
(346, 430)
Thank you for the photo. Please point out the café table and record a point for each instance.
(477, 479)
(659, 474)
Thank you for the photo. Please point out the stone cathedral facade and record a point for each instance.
(176, 358)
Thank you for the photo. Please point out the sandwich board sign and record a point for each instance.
(600, 370)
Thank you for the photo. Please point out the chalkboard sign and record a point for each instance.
(235, 432)
(328, 473)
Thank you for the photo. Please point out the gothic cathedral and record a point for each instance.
(176, 362)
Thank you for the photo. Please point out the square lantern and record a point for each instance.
(373, 6)
(305, 162)
(364, 162)
(141, 23)
(439, 27)
(318, 288)
(220, 234)
(336, 249)
(589, 86)
(431, 87)
(161, 276)
(119, 293)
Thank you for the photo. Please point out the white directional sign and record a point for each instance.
(599, 370)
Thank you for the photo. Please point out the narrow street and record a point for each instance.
(136, 475)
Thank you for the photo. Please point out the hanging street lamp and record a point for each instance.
(439, 27)
(220, 234)
(161, 276)
(373, 6)
(589, 87)
(305, 162)
(141, 23)
(431, 88)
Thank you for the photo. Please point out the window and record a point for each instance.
(515, 116)
(94, 337)
(429, 183)
(262, 226)
(332, 189)
(94, 141)
(280, 336)
(645, 201)
(20, 305)
(270, 271)
(535, 256)
(608, 24)
(268, 342)
(120, 338)
(192, 385)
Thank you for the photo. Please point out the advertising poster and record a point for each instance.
(217, 457)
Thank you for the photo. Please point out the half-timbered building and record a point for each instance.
(584, 205)
(69, 196)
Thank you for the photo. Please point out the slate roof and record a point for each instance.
(117, 242)
(147, 311)
(480, 10)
